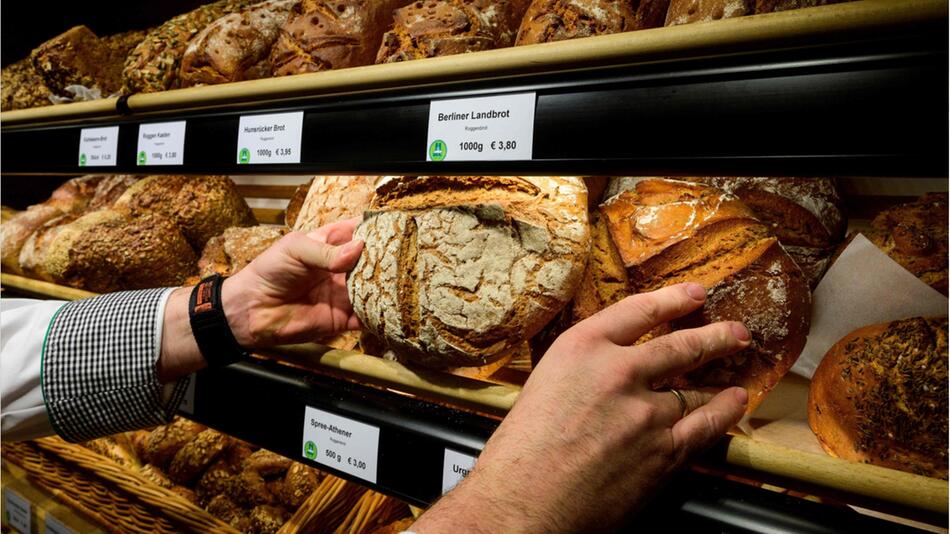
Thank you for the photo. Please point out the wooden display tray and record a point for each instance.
(847, 481)
(837, 22)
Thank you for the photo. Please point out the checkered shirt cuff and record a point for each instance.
(99, 366)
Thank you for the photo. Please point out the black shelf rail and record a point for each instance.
(870, 107)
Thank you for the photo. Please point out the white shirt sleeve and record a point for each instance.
(23, 327)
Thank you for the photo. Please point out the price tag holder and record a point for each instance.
(161, 143)
(490, 128)
(97, 146)
(55, 526)
(343, 444)
(273, 138)
(18, 511)
(455, 467)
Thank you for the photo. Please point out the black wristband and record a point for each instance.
(210, 326)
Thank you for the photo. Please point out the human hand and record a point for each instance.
(588, 439)
(296, 290)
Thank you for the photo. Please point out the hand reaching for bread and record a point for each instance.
(588, 427)
(296, 290)
(293, 292)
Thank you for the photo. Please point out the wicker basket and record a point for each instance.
(121, 500)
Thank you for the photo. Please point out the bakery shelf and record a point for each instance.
(420, 414)
(846, 89)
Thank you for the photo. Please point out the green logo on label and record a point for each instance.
(244, 156)
(82, 160)
(142, 158)
(437, 150)
(310, 450)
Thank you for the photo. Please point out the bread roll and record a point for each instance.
(154, 64)
(915, 235)
(77, 57)
(559, 20)
(332, 34)
(107, 251)
(334, 198)
(689, 11)
(880, 394)
(669, 231)
(196, 455)
(202, 206)
(448, 27)
(457, 271)
(299, 482)
(15, 232)
(231, 251)
(267, 519)
(236, 46)
(164, 441)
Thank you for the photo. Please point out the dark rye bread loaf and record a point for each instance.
(107, 251)
(915, 235)
(879, 396)
(669, 231)
(235, 47)
(447, 27)
(559, 20)
(457, 271)
(78, 57)
(332, 34)
(202, 206)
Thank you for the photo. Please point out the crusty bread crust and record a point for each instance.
(457, 271)
(880, 394)
(331, 199)
(559, 20)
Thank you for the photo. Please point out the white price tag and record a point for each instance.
(489, 128)
(161, 143)
(341, 443)
(455, 467)
(18, 511)
(97, 146)
(273, 138)
(55, 526)
(187, 403)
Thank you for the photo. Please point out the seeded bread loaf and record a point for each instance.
(879, 396)
(669, 231)
(32, 257)
(559, 20)
(806, 214)
(107, 251)
(915, 235)
(334, 198)
(457, 271)
(77, 57)
(21, 87)
(332, 34)
(448, 27)
(689, 11)
(15, 232)
(202, 206)
(231, 251)
(153, 65)
(235, 47)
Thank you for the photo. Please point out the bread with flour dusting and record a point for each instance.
(670, 231)
(458, 270)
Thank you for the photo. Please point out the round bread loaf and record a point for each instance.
(295, 203)
(669, 231)
(915, 236)
(459, 270)
(879, 396)
(559, 20)
(107, 251)
(202, 206)
(334, 198)
(34, 250)
(231, 251)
